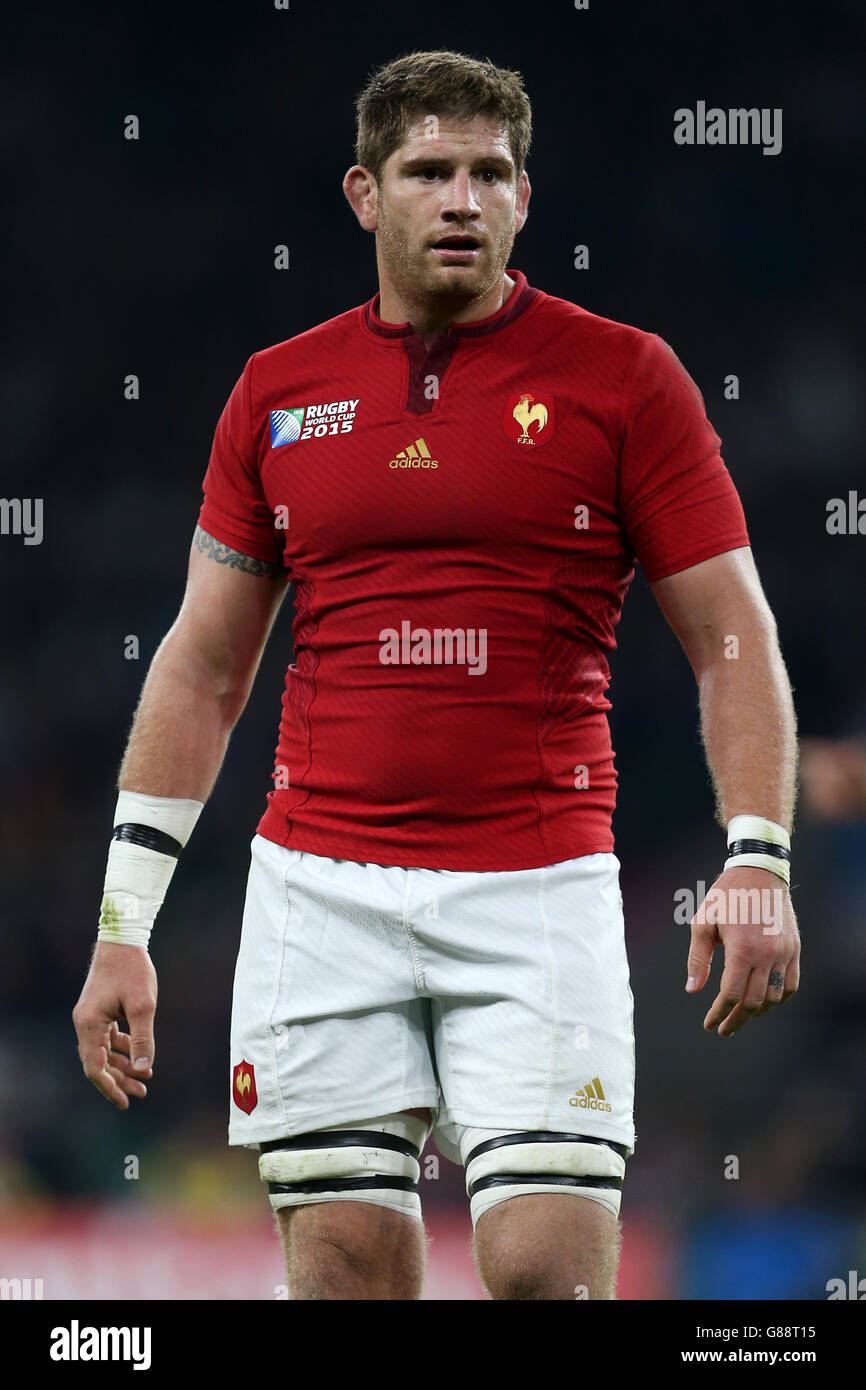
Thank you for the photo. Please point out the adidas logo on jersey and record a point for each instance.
(416, 455)
(591, 1097)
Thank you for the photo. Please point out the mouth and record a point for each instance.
(457, 248)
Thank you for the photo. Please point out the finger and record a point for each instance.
(94, 1050)
(120, 1044)
(141, 1045)
(119, 1062)
(105, 1083)
(130, 1085)
(700, 957)
(750, 1004)
(791, 980)
(732, 987)
(792, 977)
(775, 988)
(93, 1046)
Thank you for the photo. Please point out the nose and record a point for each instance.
(459, 199)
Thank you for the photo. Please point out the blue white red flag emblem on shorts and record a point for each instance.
(286, 426)
(244, 1087)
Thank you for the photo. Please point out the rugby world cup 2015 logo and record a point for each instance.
(314, 421)
(244, 1087)
(286, 426)
(528, 418)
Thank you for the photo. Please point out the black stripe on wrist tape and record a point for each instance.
(759, 847)
(148, 838)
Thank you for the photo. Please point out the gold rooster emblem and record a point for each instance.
(244, 1082)
(525, 413)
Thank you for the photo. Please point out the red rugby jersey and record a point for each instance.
(461, 525)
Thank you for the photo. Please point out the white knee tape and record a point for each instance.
(539, 1162)
(480, 1202)
(369, 1161)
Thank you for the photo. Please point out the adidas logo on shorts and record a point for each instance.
(591, 1097)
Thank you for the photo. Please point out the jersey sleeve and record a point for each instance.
(677, 500)
(235, 509)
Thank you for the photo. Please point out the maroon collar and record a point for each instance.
(520, 298)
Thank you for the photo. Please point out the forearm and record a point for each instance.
(749, 730)
(181, 728)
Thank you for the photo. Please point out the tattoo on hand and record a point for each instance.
(777, 979)
(224, 555)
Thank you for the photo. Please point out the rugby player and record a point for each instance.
(458, 476)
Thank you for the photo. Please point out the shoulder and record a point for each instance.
(322, 340)
(606, 334)
(611, 350)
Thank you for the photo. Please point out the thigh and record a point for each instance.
(327, 1021)
(532, 1005)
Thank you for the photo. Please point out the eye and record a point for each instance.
(431, 169)
(492, 172)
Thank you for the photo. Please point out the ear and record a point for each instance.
(521, 206)
(361, 190)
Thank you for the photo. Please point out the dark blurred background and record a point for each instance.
(155, 257)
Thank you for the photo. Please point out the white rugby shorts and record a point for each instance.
(497, 999)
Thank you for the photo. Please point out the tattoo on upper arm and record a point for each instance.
(224, 555)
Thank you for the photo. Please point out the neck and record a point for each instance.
(431, 316)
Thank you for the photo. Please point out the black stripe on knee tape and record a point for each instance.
(542, 1136)
(341, 1139)
(343, 1185)
(554, 1179)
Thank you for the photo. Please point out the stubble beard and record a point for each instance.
(432, 288)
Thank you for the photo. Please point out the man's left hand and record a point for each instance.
(748, 912)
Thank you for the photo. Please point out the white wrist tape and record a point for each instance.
(138, 873)
(759, 844)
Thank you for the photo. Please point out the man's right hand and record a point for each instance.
(121, 987)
